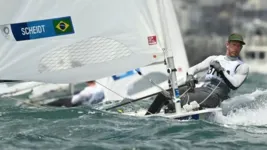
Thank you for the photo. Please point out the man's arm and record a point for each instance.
(237, 79)
(79, 98)
(196, 69)
(201, 66)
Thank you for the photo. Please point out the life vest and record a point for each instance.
(229, 65)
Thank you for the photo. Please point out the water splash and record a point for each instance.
(251, 117)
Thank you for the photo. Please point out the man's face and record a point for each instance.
(233, 48)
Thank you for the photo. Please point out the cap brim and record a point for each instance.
(243, 43)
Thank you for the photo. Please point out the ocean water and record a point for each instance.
(32, 128)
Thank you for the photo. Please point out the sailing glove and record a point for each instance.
(191, 81)
(217, 66)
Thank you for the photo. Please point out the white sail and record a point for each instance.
(101, 38)
(143, 35)
(131, 85)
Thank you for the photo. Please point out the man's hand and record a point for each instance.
(217, 66)
(191, 81)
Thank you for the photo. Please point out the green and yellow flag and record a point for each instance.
(63, 26)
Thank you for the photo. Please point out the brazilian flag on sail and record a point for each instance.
(63, 26)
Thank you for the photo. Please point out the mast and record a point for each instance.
(174, 86)
(71, 89)
(170, 60)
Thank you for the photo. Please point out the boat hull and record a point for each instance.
(192, 115)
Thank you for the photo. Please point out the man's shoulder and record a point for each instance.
(243, 68)
(245, 65)
(93, 88)
(86, 90)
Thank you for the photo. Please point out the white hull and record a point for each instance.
(49, 91)
(19, 89)
(196, 115)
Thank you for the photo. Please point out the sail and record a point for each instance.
(130, 84)
(101, 38)
(175, 41)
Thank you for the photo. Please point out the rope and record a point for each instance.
(112, 91)
(207, 96)
(124, 98)
(210, 93)
(190, 88)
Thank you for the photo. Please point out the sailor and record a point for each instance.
(223, 74)
(92, 94)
